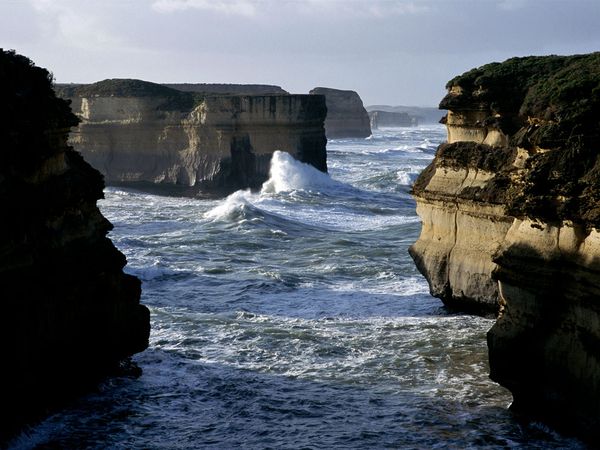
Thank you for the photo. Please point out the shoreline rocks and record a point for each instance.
(511, 219)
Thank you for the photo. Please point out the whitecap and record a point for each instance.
(289, 174)
(231, 207)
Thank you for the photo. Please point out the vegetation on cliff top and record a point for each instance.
(123, 87)
(548, 102)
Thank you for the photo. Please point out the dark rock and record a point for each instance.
(69, 313)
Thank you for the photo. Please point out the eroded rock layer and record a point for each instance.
(69, 313)
(135, 131)
(346, 115)
(511, 219)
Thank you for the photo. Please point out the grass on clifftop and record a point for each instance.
(549, 102)
(123, 87)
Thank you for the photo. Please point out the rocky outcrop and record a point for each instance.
(69, 313)
(346, 115)
(511, 214)
(135, 131)
(380, 119)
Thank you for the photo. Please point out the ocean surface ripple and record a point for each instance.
(293, 317)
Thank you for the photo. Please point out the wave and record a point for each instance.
(288, 174)
(238, 205)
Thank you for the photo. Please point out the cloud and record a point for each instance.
(250, 8)
(362, 9)
(229, 7)
(65, 24)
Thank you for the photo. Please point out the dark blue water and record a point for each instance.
(294, 318)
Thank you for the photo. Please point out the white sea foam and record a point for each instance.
(231, 206)
(289, 174)
(404, 178)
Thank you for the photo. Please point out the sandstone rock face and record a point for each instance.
(69, 313)
(346, 115)
(135, 131)
(511, 215)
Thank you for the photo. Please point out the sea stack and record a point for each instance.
(511, 222)
(137, 132)
(346, 115)
(69, 313)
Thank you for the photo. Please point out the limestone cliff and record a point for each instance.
(69, 313)
(511, 216)
(346, 115)
(136, 131)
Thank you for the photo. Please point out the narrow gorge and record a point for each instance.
(510, 211)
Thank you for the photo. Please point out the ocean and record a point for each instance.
(294, 318)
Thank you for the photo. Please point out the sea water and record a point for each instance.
(294, 318)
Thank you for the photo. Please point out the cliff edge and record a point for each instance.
(134, 131)
(511, 223)
(346, 115)
(69, 313)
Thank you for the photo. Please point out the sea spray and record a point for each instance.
(288, 174)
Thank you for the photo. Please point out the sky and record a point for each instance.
(395, 52)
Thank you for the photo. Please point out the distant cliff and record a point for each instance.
(135, 131)
(381, 119)
(346, 115)
(423, 114)
(511, 221)
(69, 313)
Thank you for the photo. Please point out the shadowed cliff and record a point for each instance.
(346, 115)
(69, 313)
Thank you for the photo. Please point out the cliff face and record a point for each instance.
(511, 217)
(346, 115)
(135, 131)
(69, 313)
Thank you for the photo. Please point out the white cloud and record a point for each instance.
(249, 8)
(234, 7)
(361, 8)
(66, 24)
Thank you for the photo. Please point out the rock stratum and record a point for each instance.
(135, 131)
(346, 115)
(69, 313)
(511, 222)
